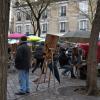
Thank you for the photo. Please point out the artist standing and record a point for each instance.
(23, 63)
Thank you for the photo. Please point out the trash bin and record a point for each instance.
(83, 72)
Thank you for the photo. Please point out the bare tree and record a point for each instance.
(4, 25)
(91, 9)
(92, 58)
(93, 15)
(37, 7)
(93, 18)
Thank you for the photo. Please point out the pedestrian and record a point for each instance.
(23, 63)
(9, 56)
(39, 56)
(62, 57)
(65, 63)
(76, 60)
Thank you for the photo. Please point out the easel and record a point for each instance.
(45, 68)
(49, 49)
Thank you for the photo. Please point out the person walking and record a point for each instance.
(22, 64)
(65, 63)
(39, 52)
(76, 60)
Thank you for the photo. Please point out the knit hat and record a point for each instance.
(23, 39)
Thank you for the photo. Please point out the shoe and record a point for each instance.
(73, 77)
(27, 91)
(63, 74)
(32, 71)
(36, 80)
(20, 93)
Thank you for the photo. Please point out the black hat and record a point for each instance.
(62, 49)
(23, 39)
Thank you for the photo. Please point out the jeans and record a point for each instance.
(68, 68)
(24, 80)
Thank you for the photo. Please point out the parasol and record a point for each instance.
(54, 68)
(15, 35)
(33, 38)
(13, 41)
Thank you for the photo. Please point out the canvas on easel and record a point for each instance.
(50, 44)
(49, 49)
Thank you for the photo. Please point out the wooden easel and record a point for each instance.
(45, 68)
(49, 49)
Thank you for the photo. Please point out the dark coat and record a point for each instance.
(23, 57)
(64, 59)
(39, 53)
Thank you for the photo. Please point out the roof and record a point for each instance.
(77, 36)
(82, 34)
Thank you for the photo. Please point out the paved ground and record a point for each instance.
(64, 91)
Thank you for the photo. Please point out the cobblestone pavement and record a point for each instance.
(64, 91)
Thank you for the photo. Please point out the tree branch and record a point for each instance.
(86, 15)
(91, 9)
(47, 4)
(30, 5)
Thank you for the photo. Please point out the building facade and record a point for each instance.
(59, 18)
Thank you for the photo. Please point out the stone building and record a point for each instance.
(59, 18)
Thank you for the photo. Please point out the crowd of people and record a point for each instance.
(71, 58)
(67, 59)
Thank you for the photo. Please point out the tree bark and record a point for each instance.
(4, 24)
(92, 57)
(38, 27)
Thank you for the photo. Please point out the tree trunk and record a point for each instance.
(4, 24)
(34, 28)
(38, 27)
(92, 57)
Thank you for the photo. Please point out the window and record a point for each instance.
(83, 6)
(63, 27)
(27, 29)
(28, 15)
(83, 25)
(44, 28)
(44, 14)
(18, 16)
(63, 11)
(18, 29)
